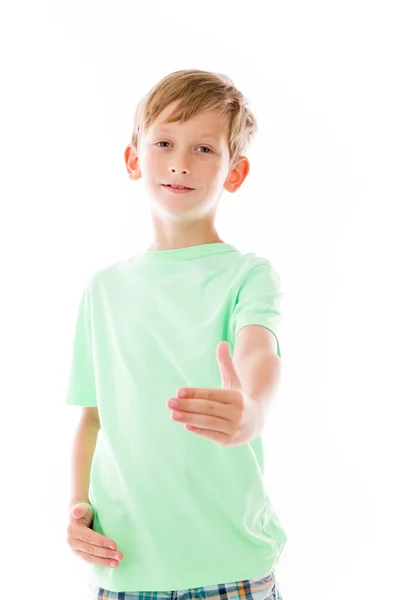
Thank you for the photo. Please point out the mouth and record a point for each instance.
(179, 190)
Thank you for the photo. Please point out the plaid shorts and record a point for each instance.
(264, 588)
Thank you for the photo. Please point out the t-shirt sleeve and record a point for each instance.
(81, 389)
(258, 301)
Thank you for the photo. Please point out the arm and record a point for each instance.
(84, 445)
(259, 374)
(259, 370)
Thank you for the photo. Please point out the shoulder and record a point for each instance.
(253, 265)
(109, 274)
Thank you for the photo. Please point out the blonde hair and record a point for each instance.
(198, 90)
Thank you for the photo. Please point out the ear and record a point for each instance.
(237, 175)
(132, 162)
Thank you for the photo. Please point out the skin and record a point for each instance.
(183, 220)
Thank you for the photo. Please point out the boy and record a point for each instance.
(180, 498)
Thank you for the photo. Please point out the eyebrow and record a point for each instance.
(202, 135)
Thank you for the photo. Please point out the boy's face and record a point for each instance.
(194, 154)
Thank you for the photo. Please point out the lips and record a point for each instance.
(169, 185)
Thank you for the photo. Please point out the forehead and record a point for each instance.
(207, 123)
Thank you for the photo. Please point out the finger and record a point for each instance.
(97, 539)
(219, 438)
(100, 551)
(206, 407)
(205, 422)
(88, 536)
(218, 395)
(96, 560)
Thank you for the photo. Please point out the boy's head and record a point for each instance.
(170, 142)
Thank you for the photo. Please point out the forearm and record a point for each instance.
(260, 375)
(84, 445)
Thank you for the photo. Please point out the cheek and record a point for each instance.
(152, 167)
(217, 175)
(210, 170)
(150, 161)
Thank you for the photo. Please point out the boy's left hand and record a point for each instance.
(227, 415)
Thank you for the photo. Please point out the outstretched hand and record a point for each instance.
(226, 416)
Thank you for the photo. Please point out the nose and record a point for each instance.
(179, 170)
(173, 170)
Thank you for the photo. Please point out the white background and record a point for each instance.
(321, 202)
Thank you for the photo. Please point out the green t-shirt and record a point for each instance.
(184, 510)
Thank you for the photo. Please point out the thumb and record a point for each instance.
(81, 510)
(229, 377)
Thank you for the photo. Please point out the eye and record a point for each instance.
(209, 150)
(164, 142)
